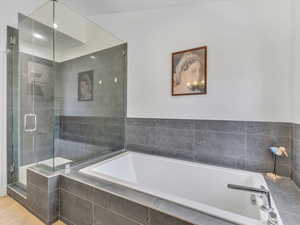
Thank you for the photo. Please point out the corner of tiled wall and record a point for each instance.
(296, 154)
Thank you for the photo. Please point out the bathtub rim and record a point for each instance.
(87, 170)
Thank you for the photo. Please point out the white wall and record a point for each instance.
(249, 56)
(296, 60)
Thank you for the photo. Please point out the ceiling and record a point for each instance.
(94, 7)
(29, 27)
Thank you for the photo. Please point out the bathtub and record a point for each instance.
(198, 186)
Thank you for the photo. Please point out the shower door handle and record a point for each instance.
(26, 118)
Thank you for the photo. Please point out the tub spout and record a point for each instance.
(261, 190)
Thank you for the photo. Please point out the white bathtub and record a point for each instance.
(198, 186)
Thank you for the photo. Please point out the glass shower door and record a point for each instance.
(35, 91)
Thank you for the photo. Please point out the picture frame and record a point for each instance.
(86, 86)
(189, 72)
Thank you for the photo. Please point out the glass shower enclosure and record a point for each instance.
(67, 88)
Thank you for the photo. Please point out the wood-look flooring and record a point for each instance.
(12, 213)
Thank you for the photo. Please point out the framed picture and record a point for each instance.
(86, 86)
(189, 72)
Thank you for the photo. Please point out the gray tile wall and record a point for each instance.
(41, 103)
(236, 144)
(105, 132)
(78, 151)
(296, 154)
(108, 97)
(43, 196)
(95, 126)
(93, 206)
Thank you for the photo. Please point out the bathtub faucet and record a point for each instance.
(262, 191)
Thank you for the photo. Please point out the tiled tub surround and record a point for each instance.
(235, 144)
(286, 195)
(97, 202)
(167, 178)
(42, 195)
(102, 202)
(88, 200)
(92, 205)
(296, 155)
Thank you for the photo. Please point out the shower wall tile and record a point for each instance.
(77, 151)
(237, 144)
(85, 129)
(81, 138)
(37, 145)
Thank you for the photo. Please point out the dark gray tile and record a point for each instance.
(53, 205)
(169, 151)
(38, 201)
(140, 122)
(297, 132)
(106, 217)
(284, 170)
(174, 138)
(174, 123)
(220, 144)
(53, 183)
(258, 147)
(221, 126)
(75, 209)
(203, 157)
(37, 179)
(260, 166)
(286, 195)
(269, 129)
(121, 206)
(140, 135)
(79, 189)
(157, 218)
(296, 178)
(148, 149)
(296, 155)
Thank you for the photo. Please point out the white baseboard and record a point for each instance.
(3, 191)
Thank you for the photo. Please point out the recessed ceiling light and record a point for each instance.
(38, 36)
(93, 57)
(55, 25)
